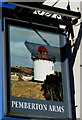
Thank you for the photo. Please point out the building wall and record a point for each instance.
(81, 69)
(78, 72)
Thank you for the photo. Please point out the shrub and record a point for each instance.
(52, 87)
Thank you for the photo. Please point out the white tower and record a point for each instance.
(42, 65)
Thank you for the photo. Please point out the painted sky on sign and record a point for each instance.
(20, 56)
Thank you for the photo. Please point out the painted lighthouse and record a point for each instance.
(43, 64)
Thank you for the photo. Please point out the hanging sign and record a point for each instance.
(38, 82)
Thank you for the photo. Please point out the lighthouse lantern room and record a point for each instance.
(43, 52)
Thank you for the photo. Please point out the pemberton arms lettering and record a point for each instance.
(37, 106)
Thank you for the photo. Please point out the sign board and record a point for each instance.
(37, 71)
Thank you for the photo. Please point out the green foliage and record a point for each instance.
(52, 87)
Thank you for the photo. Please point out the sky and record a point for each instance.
(19, 54)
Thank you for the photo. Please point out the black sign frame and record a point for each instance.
(67, 104)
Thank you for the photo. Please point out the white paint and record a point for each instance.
(27, 77)
(42, 68)
(76, 71)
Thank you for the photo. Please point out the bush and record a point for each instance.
(52, 87)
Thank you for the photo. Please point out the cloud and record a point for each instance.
(20, 56)
(18, 34)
